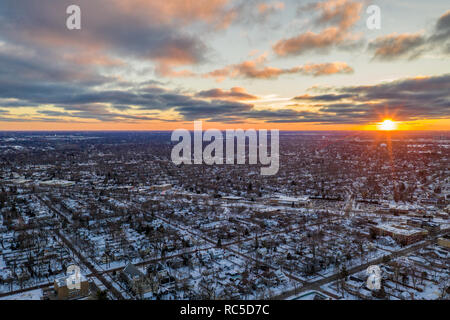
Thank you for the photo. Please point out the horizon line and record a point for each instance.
(336, 130)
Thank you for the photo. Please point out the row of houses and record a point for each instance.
(76, 286)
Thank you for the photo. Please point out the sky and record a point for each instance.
(162, 64)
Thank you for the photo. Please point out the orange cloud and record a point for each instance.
(309, 40)
(323, 69)
(215, 12)
(344, 13)
(255, 69)
(267, 7)
(93, 57)
(340, 14)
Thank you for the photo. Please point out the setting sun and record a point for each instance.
(387, 125)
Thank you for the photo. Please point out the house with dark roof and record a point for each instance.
(136, 279)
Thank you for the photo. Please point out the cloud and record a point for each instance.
(235, 93)
(79, 93)
(395, 46)
(322, 69)
(442, 28)
(85, 75)
(404, 99)
(92, 58)
(441, 34)
(112, 30)
(20, 67)
(209, 110)
(253, 13)
(323, 97)
(30, 79)
(309, 41)
(170, 34)
(342, 13)
(256, 69)
(338, 15)
(265, 8)
(211, 12)
(97, 112)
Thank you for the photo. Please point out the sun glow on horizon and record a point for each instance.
(387, 125)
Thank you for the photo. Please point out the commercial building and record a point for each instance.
(403, 234)
(290, 201)
(444, 241)
(161, 187)
(65, 291)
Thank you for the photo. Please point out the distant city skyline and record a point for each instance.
(287, 65)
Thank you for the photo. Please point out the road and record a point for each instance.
(305, 286)
(80, 256)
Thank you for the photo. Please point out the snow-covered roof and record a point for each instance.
(400, 229)
(28, 295)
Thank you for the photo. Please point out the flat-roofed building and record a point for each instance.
(36, 294)
(399, 208)
(400, 232)
(64, 291)
(290, 201)
(444, 241)
(161, 187)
